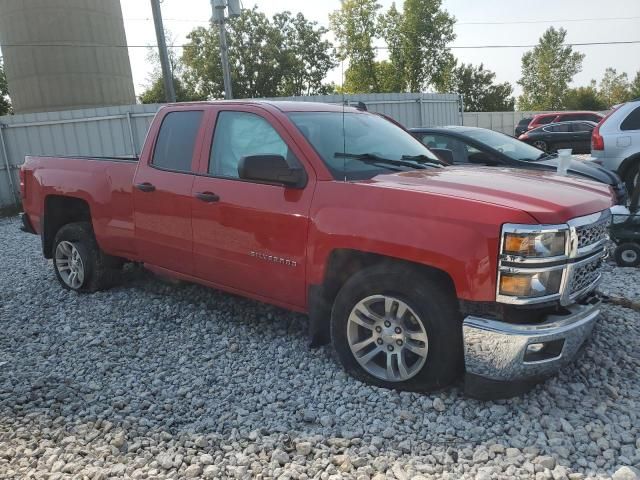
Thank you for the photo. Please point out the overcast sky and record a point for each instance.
(480, 22)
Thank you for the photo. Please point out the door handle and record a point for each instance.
(208, 197)
(145, 187)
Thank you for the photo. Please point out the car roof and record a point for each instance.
(572, 112)
(451, 129)
(282, 105)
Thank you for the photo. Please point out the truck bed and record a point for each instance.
(103, 183)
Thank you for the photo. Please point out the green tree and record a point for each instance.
(584, 98)
(154, 93)
(635, 86)
(266, 59)
(547, 71)
(424, 31)
(615, 88)
(305, 57)
(355, 27)
(480, 93)
(5, 101)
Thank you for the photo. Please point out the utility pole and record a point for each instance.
(169, 92)
(217, 9)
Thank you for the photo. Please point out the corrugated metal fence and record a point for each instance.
(117, 131)
(120, 131)
(504, 122)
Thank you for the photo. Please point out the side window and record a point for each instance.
(594, 118)
(176, 140)
(581, 127)
(546, 119)
(632, 122)
(559, 128)
(448, 143)
(240, 134)
(572, 116)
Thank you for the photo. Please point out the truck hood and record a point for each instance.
(548, 197)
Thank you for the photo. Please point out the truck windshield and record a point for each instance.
(507, 145)
(344, 140)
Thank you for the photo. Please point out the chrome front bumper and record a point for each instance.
(501, 352)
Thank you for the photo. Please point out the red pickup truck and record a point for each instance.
(416, 272)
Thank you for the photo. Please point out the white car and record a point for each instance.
(615, 142)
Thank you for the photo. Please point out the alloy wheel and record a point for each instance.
(69, 264)
(387, 338)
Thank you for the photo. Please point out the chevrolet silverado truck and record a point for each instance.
(417, 273)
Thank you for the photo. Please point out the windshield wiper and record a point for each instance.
(372, 158)
(425, 159)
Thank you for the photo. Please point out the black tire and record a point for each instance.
(541, 144)
(627, 255)
(100, 270)
(435, 305)
(632, 176)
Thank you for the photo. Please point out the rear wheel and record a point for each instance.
(541, 144)
(627, 255)
(79, 263)
(394, 327)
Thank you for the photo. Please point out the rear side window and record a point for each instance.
(544, 120)
(524, 122)
(581, 127)
(632, 122)
(176, 140)
(560, 128)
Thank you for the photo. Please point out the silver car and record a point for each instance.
(615, 142)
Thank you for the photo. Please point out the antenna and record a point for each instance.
(344, 131)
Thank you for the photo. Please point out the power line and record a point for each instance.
(87, 45)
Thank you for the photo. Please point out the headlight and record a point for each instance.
(534, 284)
(536, 245)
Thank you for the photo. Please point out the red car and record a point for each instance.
(555, 117)
(414, 271)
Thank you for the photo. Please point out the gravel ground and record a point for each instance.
(151, 380)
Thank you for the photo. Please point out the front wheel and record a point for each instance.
(79, 263)
(627, 255)
(632, 177)
(394, 327)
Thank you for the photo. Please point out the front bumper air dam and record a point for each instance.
(499, 361)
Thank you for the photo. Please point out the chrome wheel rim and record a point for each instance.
(69, 264)
(387, 338)
(629, 256)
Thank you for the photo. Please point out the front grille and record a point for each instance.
(593, 233)
(584, 275)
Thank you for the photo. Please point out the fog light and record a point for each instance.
(542, 351)
(535, 347)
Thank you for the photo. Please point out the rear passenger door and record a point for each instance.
(162, 191)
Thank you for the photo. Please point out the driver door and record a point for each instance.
(249, 236)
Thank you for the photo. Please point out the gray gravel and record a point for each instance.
(152, 380)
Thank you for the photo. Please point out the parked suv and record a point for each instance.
(615, 142)
(555, 117)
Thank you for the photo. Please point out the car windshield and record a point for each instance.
(359, 145)
(507, 145)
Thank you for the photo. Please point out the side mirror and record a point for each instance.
(443, 154)
(271, 169)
